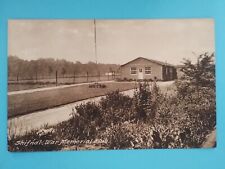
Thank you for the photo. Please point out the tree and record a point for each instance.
(143, 101)
(23, 69)
(197, 77)
(201, 74)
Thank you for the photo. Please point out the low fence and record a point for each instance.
(57, 80)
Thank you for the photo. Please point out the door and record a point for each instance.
(140, 74)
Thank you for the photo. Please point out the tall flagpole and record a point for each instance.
(96, 56)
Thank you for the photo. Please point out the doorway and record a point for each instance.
(140, 74)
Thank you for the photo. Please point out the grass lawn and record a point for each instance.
(21, 104)
(42, 83)
(18, 87)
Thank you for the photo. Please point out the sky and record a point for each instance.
(117, 41)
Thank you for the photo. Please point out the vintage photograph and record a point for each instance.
(111, 84)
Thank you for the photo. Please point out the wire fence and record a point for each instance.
(63, 79)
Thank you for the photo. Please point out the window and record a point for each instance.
(133, 70)
(167, 71)
(148, 70)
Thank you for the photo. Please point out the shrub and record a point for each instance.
(142, 135)
(145, 100)
(183, 88)
(116, 108)
(128, 136)
(201, 74)
(84, 122)
(192, 115)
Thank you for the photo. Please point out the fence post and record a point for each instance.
(56, 77)
(87, 76)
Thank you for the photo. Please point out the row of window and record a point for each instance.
(133, 70)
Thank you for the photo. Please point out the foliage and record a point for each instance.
(179, 123)
(145, 100)
(84, 122)
(201, 74)
(184, 88)
(116, 108)
(23, 69)
(192, 116)
(197, 76)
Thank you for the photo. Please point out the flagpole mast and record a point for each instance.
(96, 54)
(95, 39)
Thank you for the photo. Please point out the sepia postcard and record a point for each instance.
(111, 84)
